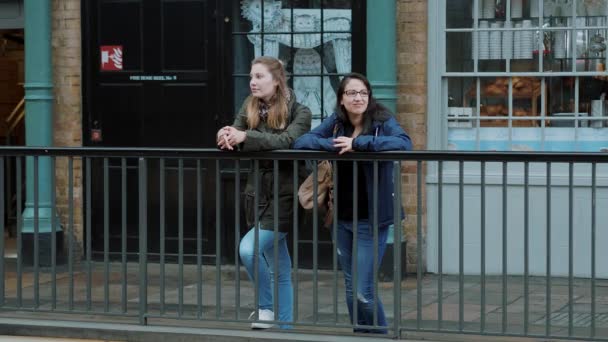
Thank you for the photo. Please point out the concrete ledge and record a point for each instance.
(137, 333)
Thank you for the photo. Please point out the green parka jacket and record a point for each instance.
(264, 138)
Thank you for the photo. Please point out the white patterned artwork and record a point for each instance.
(308, 89)
(336, 27)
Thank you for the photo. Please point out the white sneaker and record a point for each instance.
(263, 315)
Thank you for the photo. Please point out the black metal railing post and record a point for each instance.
(143, 240)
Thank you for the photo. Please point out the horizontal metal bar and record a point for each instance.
(507, 156)
(524, 74)
(536, 28)
(298, 33)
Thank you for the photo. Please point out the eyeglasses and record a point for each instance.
(353, 93)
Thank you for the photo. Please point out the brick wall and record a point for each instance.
(411, 108)
(66, 45)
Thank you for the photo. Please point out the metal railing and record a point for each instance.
(143, 275)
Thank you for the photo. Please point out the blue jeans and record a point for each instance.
(266, 269)
(365, 272)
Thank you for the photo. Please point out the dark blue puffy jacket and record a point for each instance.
(385, 136)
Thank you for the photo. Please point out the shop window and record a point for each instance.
(526, 75)
(313, 38)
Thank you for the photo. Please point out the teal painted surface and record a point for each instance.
(381, 58)
(38, 111)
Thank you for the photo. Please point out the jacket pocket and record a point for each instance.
(249, 206)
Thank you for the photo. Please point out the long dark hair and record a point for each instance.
(375, 111)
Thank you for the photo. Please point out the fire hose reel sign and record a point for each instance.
(111, 57)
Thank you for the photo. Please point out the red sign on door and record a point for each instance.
(111, 57)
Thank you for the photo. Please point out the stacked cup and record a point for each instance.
(489, 9)
(507, 41)
(559, 43)
(484, 41)
(495, 41)
(517, 9)
(517, 42)
(533, 8)
(527, 40)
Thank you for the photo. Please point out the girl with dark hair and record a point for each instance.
(360, 124)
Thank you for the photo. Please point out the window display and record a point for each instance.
(312, 38)
(528, 76)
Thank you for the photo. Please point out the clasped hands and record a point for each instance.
(228, 137)
(344, 144)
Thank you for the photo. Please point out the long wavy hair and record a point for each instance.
(277, 111)
(375, 110)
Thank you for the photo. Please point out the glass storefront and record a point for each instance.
(311, 37)
(526, 75)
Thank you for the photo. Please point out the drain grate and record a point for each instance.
(579, 319)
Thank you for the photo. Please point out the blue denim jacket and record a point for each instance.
(387, 136)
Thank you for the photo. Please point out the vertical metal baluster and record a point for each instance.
(180, 236)
(237, 236)
(36, 234)
(162, 219)
(570, 249)
(461, 245)
(256, 239)
(295, 237)
(218, 248)
(53, 237)
(418, 245)
(106, 235)
(123, 233)
(482, 325)
(504, 247)
(334, 238)
(593, 231)
(548, 283)
(375, 240)
(315, 236)
(88, 230)
(199, 240)
(2, 219)
(275, 302)
(355, 243)
(526, 247)
(440, 244)
(9, 187)
(19, 223)
(397, 259)
(143, 241)
(71, 232)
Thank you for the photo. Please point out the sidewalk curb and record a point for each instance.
(138, 333)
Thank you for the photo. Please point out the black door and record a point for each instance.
(165, 92)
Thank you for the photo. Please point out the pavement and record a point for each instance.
(43, 339)
(224, 300)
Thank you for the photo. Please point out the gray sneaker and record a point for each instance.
(263, 315)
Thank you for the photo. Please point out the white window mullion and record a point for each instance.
(478, 111)
(543, 111)
(577, 121)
